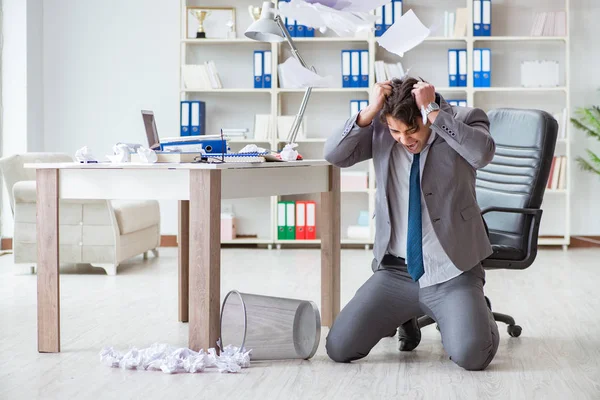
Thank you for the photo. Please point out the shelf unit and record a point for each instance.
(284, 101)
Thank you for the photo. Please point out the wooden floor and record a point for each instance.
(556, 301)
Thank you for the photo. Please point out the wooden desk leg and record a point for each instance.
(183, 245)
(48, 291)
(329, 218)
(205, 258)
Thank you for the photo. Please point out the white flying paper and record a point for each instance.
(296, 76)
(318, 16)
(405, 34)
(351, 5)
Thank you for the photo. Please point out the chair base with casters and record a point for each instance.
(513, 329)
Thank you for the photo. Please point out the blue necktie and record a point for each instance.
(414, 242)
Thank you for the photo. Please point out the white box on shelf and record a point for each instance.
(358, 232)
(354, 181)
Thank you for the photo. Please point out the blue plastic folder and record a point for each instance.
(184, 115)
(346, 69)
(258, 69)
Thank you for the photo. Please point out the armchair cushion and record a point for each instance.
(135, 215)
(24, 192)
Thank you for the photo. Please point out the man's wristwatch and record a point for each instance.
(431, 107)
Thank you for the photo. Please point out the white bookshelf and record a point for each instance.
(236, 104)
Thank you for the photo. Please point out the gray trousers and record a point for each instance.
(390, 297)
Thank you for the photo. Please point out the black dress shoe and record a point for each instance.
(409, 335)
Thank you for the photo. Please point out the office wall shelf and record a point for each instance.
(329, 107)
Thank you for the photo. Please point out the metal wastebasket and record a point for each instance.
(274, 328)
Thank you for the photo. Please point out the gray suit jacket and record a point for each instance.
(462, 145)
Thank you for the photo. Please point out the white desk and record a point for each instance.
(199, 189)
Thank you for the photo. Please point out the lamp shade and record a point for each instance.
(266, 29)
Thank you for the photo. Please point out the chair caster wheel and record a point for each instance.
(514, 330)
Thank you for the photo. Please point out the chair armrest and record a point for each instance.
(24, 192)
(532, 240)
(532, 211)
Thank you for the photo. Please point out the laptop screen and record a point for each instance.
(151, 131)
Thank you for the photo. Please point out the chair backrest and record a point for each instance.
(13, 169)
(518, 174)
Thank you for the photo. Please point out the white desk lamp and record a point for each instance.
(270, 28)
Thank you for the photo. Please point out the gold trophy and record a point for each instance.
(201, 16)
(254, 12)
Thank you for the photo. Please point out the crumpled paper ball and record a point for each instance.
(121, 154)
(147, 155)
(84, 154)
(288, 153)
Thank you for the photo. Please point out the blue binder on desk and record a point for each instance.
(184, 115)
(210, 144)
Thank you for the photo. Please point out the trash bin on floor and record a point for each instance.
(273, 328)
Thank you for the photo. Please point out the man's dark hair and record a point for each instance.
(401, 104)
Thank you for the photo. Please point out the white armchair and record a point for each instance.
(102, 233)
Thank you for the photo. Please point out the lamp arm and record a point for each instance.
(298, 120)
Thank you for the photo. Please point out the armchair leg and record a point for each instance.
(154, 253)
(111, 269)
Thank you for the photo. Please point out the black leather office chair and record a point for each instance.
(511, 188)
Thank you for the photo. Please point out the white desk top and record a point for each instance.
(109, 165)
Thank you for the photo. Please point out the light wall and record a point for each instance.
(102, 62)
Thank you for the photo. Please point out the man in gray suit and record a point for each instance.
(430, 236)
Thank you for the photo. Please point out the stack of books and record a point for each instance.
(558, 174)
(552, 23)
(455, 24)
(384, 71)
(201, 76)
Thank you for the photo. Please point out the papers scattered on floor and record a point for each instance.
(405, 34)
(171, 360)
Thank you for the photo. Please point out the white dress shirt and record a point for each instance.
(437, 265)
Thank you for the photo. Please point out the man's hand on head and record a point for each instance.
(424, 94)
